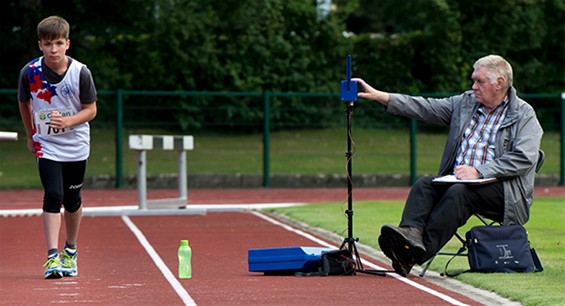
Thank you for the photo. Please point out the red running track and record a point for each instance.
(114, 267)
(31, 198)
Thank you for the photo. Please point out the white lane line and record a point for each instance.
(181, 292)
(133, 210)
(364, 262)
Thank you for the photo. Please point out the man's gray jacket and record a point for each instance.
(516, 148)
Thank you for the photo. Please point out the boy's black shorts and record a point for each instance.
(62, 182)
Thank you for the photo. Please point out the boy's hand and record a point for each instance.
(57, 120)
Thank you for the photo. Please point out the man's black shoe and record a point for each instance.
(399, 264)
(403, 269)
(403, 246)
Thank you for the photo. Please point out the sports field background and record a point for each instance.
(545, 233)
(220, 238)
(220, 242)
(380, 156)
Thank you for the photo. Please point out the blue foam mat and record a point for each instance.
(285, 259)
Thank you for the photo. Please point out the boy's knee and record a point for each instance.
(52, 201)
(73, 207)
(72, 201)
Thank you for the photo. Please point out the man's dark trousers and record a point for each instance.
(438, 210)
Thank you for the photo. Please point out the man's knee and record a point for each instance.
(424, 180)
(457, 190)
(423, 183)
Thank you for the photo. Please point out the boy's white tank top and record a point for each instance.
(70, 144)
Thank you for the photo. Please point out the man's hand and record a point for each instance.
(466, 173)
(368, 92)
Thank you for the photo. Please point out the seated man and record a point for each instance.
(493, 134)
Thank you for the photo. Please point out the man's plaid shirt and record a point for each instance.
(477, 145)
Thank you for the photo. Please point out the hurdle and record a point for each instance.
(8, 136)
(144, 143)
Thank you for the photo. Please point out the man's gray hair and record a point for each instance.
(496, 67)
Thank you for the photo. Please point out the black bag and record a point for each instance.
(338, 262)
(335, 262)
(501, 249)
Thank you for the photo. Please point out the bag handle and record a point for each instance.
(459, 252)
(537, 263)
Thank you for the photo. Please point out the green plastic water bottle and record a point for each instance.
(185, 256)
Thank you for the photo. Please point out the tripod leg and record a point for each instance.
(343, 243)
(355, 252)
(350, 241)
(362, 269)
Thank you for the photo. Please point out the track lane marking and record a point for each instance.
(364, 262)
(177, 286)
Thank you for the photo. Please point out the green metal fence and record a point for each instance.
(119, 110)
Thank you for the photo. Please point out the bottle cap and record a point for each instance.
(184, 242)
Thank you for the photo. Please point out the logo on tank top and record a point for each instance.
(67, 91)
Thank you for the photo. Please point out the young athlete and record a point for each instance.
(57, 98)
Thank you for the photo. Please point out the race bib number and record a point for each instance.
(43, 118)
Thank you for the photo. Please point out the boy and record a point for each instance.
(57, 98)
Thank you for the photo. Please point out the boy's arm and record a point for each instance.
(25, 113)
(87, 113)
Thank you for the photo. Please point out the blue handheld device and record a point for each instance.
(348, 89)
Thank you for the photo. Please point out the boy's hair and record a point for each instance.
(53, 27)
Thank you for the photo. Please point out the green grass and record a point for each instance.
(314, 151)
(546, 231)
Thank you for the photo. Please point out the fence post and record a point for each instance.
(266, 138)
(562, 175)
(413, 148)
(119, 137)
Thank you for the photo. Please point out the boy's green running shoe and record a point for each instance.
(69, 262)
(53, 267)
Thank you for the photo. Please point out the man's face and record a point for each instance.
(485, 91)
(54, 50)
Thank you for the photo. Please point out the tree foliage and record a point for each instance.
(446, 36)
(284, 45)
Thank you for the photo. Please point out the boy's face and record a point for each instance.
(54, 50)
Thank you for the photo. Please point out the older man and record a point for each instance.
(493, 134)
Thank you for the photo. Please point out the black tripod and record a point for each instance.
(350, 241)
